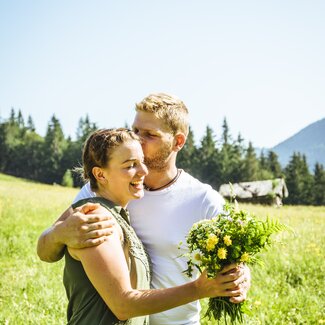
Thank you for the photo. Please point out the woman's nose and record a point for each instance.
(143, 170)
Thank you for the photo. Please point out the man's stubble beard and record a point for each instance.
(159, 161)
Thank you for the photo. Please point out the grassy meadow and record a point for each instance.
(288, 289)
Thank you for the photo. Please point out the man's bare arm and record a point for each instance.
(85, 226)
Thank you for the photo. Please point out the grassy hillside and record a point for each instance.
(31, 291)
(289, 289)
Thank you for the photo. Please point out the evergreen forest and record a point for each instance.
(217, 159)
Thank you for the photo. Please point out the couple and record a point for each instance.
(109, 280)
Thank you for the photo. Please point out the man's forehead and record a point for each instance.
(147, 124)
(148, 121)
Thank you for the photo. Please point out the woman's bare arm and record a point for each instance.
(106, 267)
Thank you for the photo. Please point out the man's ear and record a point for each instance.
(179, 141)
(99, 175)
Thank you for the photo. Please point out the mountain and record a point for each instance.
(309, 141)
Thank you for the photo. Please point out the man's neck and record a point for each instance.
(159, 179)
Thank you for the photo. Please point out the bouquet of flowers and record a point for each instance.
(235, 236)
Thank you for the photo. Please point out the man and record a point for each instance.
(173, 201)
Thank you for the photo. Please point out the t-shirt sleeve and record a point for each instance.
(213, 204)
(84, 193)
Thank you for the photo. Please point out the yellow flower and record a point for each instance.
(245, 257)
(222, 253)
(211, 242)
(227, 240)
(197, 256)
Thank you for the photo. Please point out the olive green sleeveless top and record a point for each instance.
(85, 304)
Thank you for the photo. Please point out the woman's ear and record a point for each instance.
(99, 175)
(179, 141)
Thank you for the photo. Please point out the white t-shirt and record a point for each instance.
(162, 219)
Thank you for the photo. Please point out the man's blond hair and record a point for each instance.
(168, 108)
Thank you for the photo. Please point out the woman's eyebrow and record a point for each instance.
(129, 160)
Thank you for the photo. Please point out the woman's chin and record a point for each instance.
(138, 194)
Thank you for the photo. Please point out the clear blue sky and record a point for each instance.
(260, 64)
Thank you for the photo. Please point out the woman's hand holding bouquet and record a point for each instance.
(222, 243)
(227, 283)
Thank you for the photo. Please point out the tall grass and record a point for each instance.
(289, 289)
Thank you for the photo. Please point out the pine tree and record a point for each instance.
(187, 157)
(225, 155)
(54, 148)
(3, 147)
(236, 169)
(230, 157)
(226, 137)
(250, 170)
(85, 128)
(20, 119)
(209, 168)
(307, 183)
(264, 171)
(29, 158)
(273, 164)
(73, 158)
(319, 185)
(262, 161)
(11, 139)
(30, 124)
(12, 118)
(299, 181)
(292, 178)
(21, 150)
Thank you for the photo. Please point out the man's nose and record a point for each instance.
(143, 139)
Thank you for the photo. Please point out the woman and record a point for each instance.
(110, 282)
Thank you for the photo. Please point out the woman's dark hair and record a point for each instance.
(98, 149)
